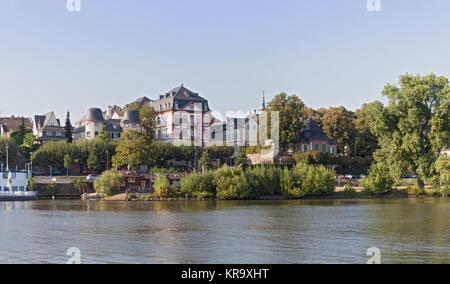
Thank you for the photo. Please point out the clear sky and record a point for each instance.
(328, 52)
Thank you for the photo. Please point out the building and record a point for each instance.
(182, 117)
(10, 124)
(235, 132)
(113, 112)
(47, 128)
(312, 138)
(91, 125)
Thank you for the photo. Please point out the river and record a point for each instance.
(259, 232)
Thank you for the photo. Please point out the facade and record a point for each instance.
(91, 125)
(235, 132)
(47, 128)
(113, 112)
(10, 124)
(182, 117)
(312, 138)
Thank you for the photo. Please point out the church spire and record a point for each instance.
(264, 100)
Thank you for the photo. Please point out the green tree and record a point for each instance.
(338, 124)
(134, 149)
(67, 163)
(104, 135)
(414, 127)
(108, 184)
(241, 160)
(205, 161)
(92, 161)
(366, 142)
(291, 110)
(68, 128)
(162, 187)
(148, 119)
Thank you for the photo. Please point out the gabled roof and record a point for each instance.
(312, 131)
(142, 101)
(43, 121)
(180, 96)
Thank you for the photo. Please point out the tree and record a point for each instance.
(337, 123)
(18, 136)
(241, 160)
(148, 118)
(108, 184)
(291, 110)
(68, 128)
(67, 163)
(414, 127)
(205, 161)
(134, 149)
(92, 161)
(104, 135)
(366, 142)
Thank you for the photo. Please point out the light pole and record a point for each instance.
(7, 157)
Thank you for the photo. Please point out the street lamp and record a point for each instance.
(7, 157)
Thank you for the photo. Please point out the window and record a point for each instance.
(316, 147)
(15, 188)
(324, 148)
(131, 180)
(96, 133)
(305, 148)
(332, 150)
(5, 188)
(88, 134)
(21, 188)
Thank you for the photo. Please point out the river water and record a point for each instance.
(297, 231)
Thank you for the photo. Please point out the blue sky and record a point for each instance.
(327, 52)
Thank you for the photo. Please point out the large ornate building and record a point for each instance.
(91, 125)
(47, 128)
(182, 117)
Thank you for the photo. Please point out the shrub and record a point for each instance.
(231, 183)
(52, 188)
(379, 181)
(441, 179)
(416, 190)
(30, 186)
(349, 191)
(198, 185)
(288, 184)
(264, 180)
(314, 181)
(108, 184)
(82, 186)
(162, 187)
(314, 158)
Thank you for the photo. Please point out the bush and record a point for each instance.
(231, 183)
(314, 181)
(441, 179)
(163, 188)
(288, 184)
(52, 188)
(314, 158)
(30, 186)
(379, 181)
(82, 186)
(198, 185)
(349, 191)
(108, 184)
(264, 180)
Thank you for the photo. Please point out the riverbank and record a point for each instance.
(137, 197)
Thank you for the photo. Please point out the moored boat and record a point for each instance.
(13, 186)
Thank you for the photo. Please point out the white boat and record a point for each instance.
(13, 186)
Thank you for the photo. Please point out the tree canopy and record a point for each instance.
(414, 127)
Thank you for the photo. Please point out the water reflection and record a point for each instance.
(283, 231)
